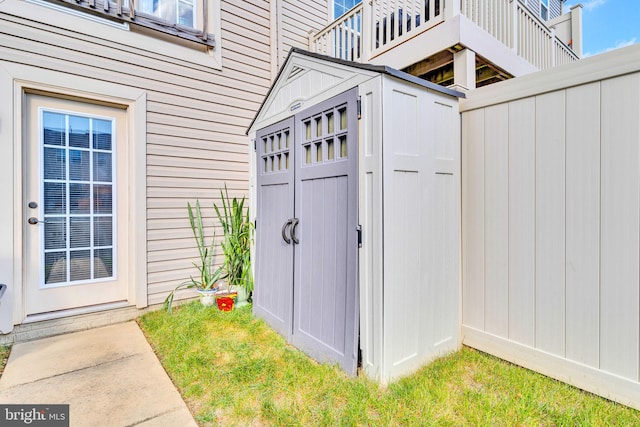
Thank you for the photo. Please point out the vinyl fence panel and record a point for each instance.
(551, 222)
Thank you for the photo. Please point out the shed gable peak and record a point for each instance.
(304, 81)
(295, 70)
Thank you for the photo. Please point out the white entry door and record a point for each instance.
(75, 205)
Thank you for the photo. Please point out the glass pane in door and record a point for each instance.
(77, 198)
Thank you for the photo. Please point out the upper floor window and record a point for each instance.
(186, 19)
(544, 10)
(340, 7)
(182, 12)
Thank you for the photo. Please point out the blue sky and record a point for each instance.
(608, 24)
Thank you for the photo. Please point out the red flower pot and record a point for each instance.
(225, 303)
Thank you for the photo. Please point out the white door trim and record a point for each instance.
(20, 79)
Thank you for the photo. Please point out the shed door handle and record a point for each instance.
(284, 231)
(293, 231)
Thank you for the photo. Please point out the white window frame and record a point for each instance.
(331, 4)
(544, 7)
(196, 5)
(194, 14)
(121, 10)
(67, 215)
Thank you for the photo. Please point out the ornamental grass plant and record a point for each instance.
(236, 240)
(208, 275)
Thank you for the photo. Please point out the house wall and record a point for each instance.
(555, 7)
(550, 222)
(198, 107)
(296, 20)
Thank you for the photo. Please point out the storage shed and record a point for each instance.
(355, 189)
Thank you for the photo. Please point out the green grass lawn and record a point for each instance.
(234, 370)
(4, 356)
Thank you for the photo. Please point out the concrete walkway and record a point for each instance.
(109, 376)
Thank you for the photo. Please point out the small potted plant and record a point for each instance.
(236, 243)
(207, 283)
(225, 299)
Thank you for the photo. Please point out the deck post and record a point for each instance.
(576, 29)
(312, 44)
(366, 33)
(464, 70)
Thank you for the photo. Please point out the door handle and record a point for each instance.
(284, 231)
(293, 231)
(34, 221)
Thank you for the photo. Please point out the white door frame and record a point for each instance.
(67, 293)
(21, 79)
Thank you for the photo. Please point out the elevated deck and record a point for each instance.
(423, 36)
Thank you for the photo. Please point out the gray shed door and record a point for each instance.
(274, 255)
(306, 263)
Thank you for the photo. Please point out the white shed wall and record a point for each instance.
(370, 200)
(551, 223)
(409, 211)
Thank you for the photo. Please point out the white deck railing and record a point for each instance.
(342, 38)
(563, 53)
(372, 28)
(394, 21)
(493, 16)
(535, 41)
(375, 26)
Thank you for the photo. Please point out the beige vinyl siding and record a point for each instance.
(554, 7)
(534, 6)
(196, 117)
(297, 19)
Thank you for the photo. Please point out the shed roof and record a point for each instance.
(295, 64)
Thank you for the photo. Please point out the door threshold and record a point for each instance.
(74, 312)
(66, 321)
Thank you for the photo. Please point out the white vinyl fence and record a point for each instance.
(551, 222)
